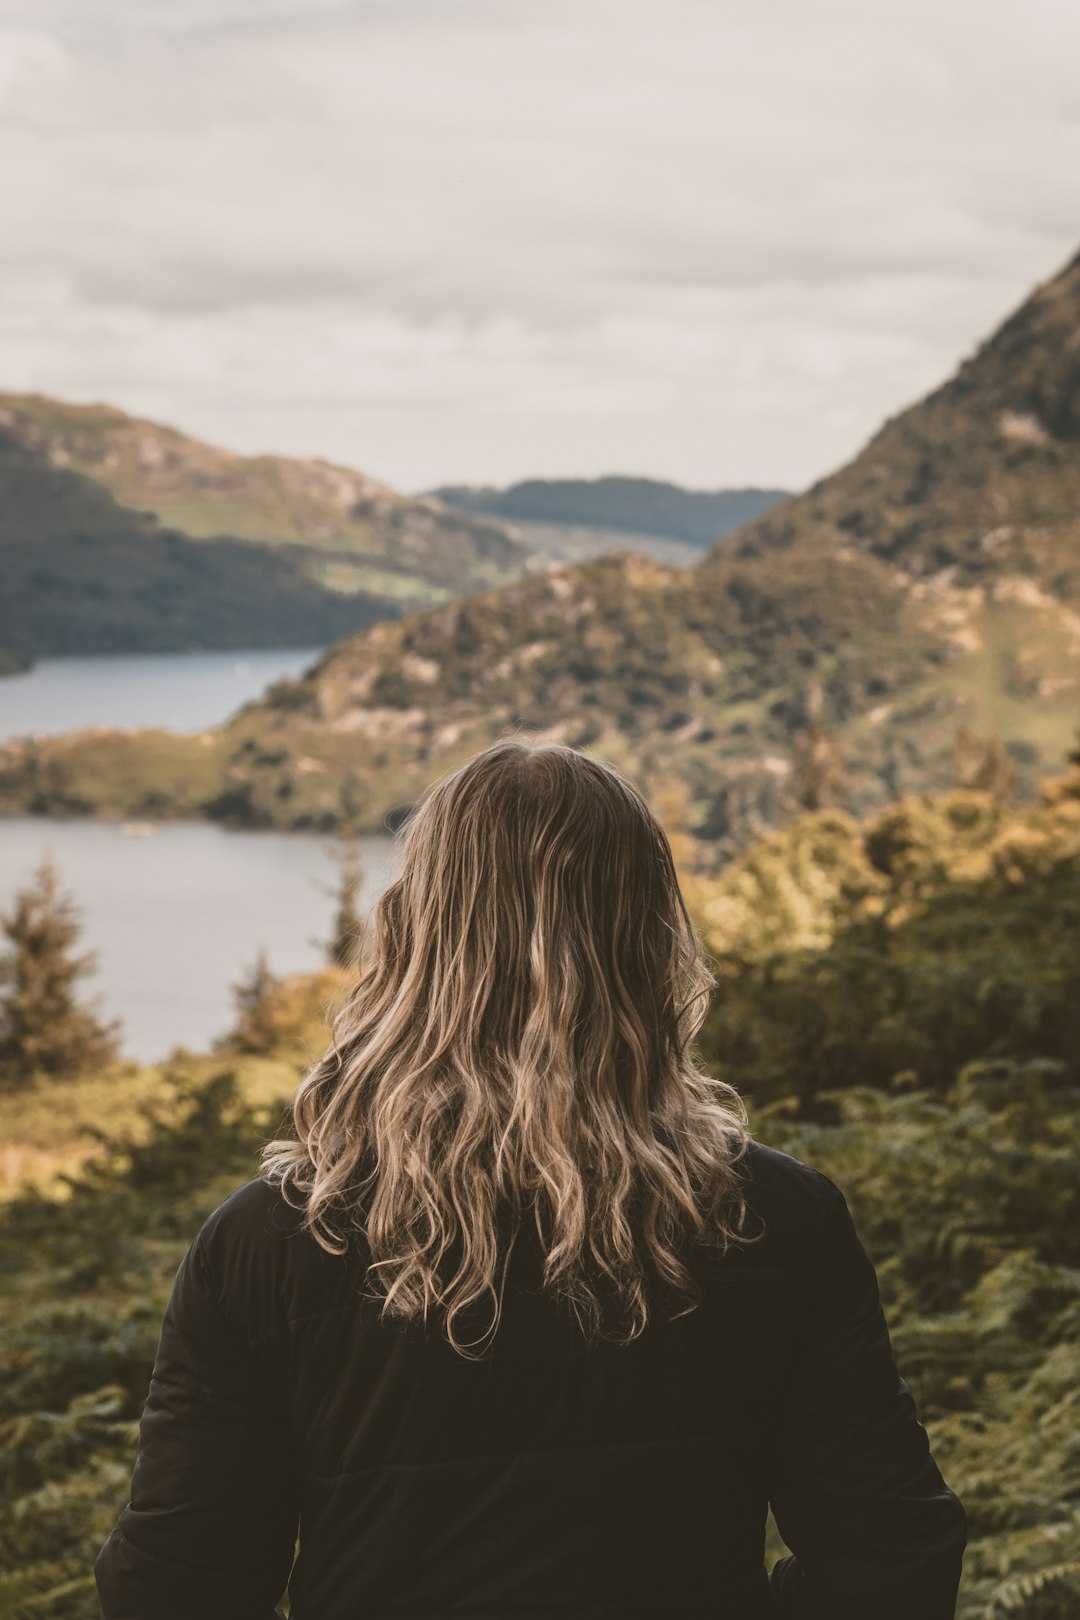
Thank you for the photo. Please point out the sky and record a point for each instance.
(716, 241)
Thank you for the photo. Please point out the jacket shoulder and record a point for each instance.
(773, 1171)
(264, 1263)
(255, 1214)
(796, 1209)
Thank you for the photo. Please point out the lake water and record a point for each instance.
(178, 691)
(178, 913)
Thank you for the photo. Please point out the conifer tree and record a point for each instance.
(46, 1032)
(253, 995)
(342, 948)
(985, 764)
(890, 767)
(817, 773)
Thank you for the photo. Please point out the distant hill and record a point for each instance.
(857, 642)
(79, 573)
(629, 506)
(283, 548)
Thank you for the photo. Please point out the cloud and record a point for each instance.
(447, 240)
(31, 63)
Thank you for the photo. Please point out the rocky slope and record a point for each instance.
(978, 481)
(925, 591)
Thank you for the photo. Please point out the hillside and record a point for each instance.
(574, 518)
(341, 530)
(80, 573)
(926, 591)
(978, 481)
(620, 654)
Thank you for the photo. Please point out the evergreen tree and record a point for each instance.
(255, 1029)
(45, 1031)
(817, 768)
(342, 948)
(986, 764)
(890, 768)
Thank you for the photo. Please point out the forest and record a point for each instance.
(898, 999)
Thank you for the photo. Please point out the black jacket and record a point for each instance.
(554, 1481)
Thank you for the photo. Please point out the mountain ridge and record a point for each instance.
(362, 534)
(79, 573)
(617, 502)
(872, 610)
(948, 481)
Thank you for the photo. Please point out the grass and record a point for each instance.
(349, 575)
(245, 520)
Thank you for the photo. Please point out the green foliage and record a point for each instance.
(45, 1032)
(968, 1204)
(817, 769)
(970, 1207)
(930, 951)
(348, 921)
(83, 1283)
(343, 946)
(939, 932)
(254, 1030)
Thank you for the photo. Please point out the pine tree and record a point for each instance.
(817, 774)
(255, 1029)
(45, 1031)
(343, 946)
(985, 764)
(890, 768)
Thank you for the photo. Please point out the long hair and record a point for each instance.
(517, 1047)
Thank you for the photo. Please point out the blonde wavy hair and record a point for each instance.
(517, 1047)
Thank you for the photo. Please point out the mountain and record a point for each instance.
(83, 487)
(79, 573)
(980, 480)
(911, 619)
(573, 518)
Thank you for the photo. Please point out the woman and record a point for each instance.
(523, 1323)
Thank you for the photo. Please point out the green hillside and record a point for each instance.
(81, 574)
(360, 534)
(953, 918)
(121, 535)
(878, 618)
(646, 506)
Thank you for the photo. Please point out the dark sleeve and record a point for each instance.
(872, 1526)
(211, 1526)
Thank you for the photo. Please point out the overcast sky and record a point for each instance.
(475, 240)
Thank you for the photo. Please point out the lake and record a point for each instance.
(177, 911)
(178, 914)
(178, 691)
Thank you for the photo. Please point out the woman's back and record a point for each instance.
(552, 1477)
(685, 1329)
